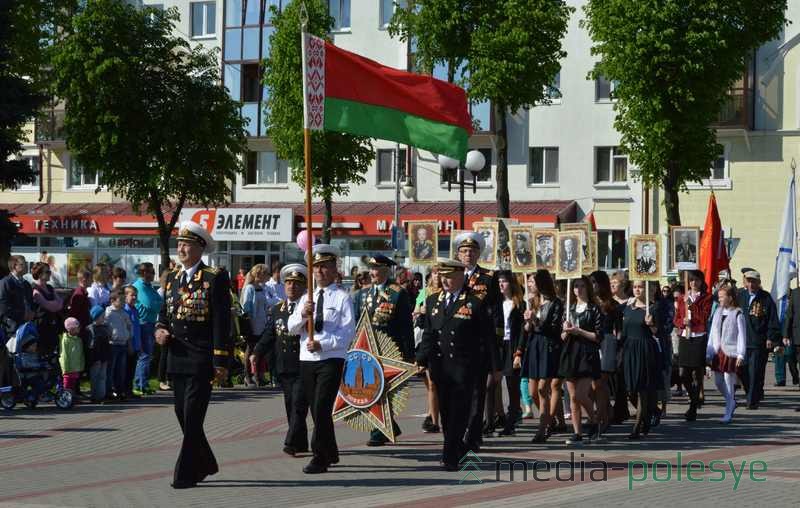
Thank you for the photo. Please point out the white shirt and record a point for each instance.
(338, 328)
(98, 294)
(508, 306)
(275, 292)
(190, 272)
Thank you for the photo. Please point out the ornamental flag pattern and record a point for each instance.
(314, 85)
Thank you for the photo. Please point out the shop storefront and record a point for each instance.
(71, 237)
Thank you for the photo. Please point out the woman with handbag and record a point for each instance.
(254, 320)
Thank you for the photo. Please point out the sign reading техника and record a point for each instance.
(244, 224)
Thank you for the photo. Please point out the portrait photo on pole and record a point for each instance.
(523, 259)
(544, 242)
(590, 263)
(685, 247)
(645, 255)
(489, 231)
(586, 228)
(568, 255)
(423, 238)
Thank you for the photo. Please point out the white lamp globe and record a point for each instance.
(475, 161)
(447, 162)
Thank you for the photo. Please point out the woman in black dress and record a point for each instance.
(543, 332)
(509, 319)
(609, 330)
(639, 342)
(580, 358)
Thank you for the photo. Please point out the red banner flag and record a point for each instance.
(590, 219)
(713, 254)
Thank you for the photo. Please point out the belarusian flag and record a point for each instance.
(345, 92)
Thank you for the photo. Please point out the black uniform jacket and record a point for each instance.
(455, 339)
(277, 340)
(390, 312)
(198, 315)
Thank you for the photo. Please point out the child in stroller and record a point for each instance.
(34, 376)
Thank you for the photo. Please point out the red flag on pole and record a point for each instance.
(713, 254)
(590, 219)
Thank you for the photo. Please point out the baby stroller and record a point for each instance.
(33, 377)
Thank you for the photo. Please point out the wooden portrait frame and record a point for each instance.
(587, 234)
(432, 228)
(635, 246)
(577, 237)
(488, 256)
(674, 232)
(518, 265)
(553, 235)
(591, 264)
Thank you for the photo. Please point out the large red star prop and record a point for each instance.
(366, 405)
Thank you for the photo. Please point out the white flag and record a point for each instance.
(786, 261)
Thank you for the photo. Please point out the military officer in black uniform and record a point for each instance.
(194, 325)
(389, 309)
(480, 280)
(276, 342)
(456, 334)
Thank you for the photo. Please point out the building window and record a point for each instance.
(251, 82)
(340, 12)
(719, 170)
(265, 168)
(386, 159)
(387, 10)
(553, 90)
(611, 165)
(204, 17)
(543, 166)
(33, 163)
(484, 175)
(82, 177)
(603, 89)
(611, 249)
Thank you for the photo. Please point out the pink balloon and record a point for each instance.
(302, 240)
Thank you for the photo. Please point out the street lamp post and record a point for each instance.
(474, 164)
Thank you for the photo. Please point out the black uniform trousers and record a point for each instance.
(474, 431)
(321, 384)
(294, 398)
(756, 359)
(192, 395)
(455, 388)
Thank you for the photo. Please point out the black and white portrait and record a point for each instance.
(685, 247)
(489, 232)
(645, 256)
(522, 255)
(569, 254)
(544, 242)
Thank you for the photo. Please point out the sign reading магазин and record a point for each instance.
(244, 224)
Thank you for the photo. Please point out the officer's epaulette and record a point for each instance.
(395, 287)
(213, 270)
(490, 273)
(480, 295)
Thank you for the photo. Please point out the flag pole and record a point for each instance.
(307, 161)
(794, 182)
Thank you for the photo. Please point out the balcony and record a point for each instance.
(736, 111)
(50, 126)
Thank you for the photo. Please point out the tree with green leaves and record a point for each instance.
(337, 160)
(508, 52)
(674, 62)
(146, 111)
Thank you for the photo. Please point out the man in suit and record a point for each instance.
(685, 252)
(194, 324)
(16, 296)
(457, 331)
(646, 263)
(388, 308)
(522, 253)
(544, 252)
(791, 334)
(284, 348)
(322, 354)
(763, 334)
(569, 260)
(480, 280)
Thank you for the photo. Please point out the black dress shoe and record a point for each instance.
(315, 467)
(797, 409)
(183, 485)
(334, 459)
(450, 467)
(473, 447)
(752, 406)
(378, 440)
(690, 415)
(289, 450)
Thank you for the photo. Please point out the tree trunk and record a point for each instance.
(7, 231)
(328, 220)
(501, 137)
(165, 227)
(671, 198)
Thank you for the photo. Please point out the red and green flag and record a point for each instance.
(345, 92)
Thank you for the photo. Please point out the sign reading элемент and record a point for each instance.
(244, 224)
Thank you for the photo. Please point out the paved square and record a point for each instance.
(121, 455)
